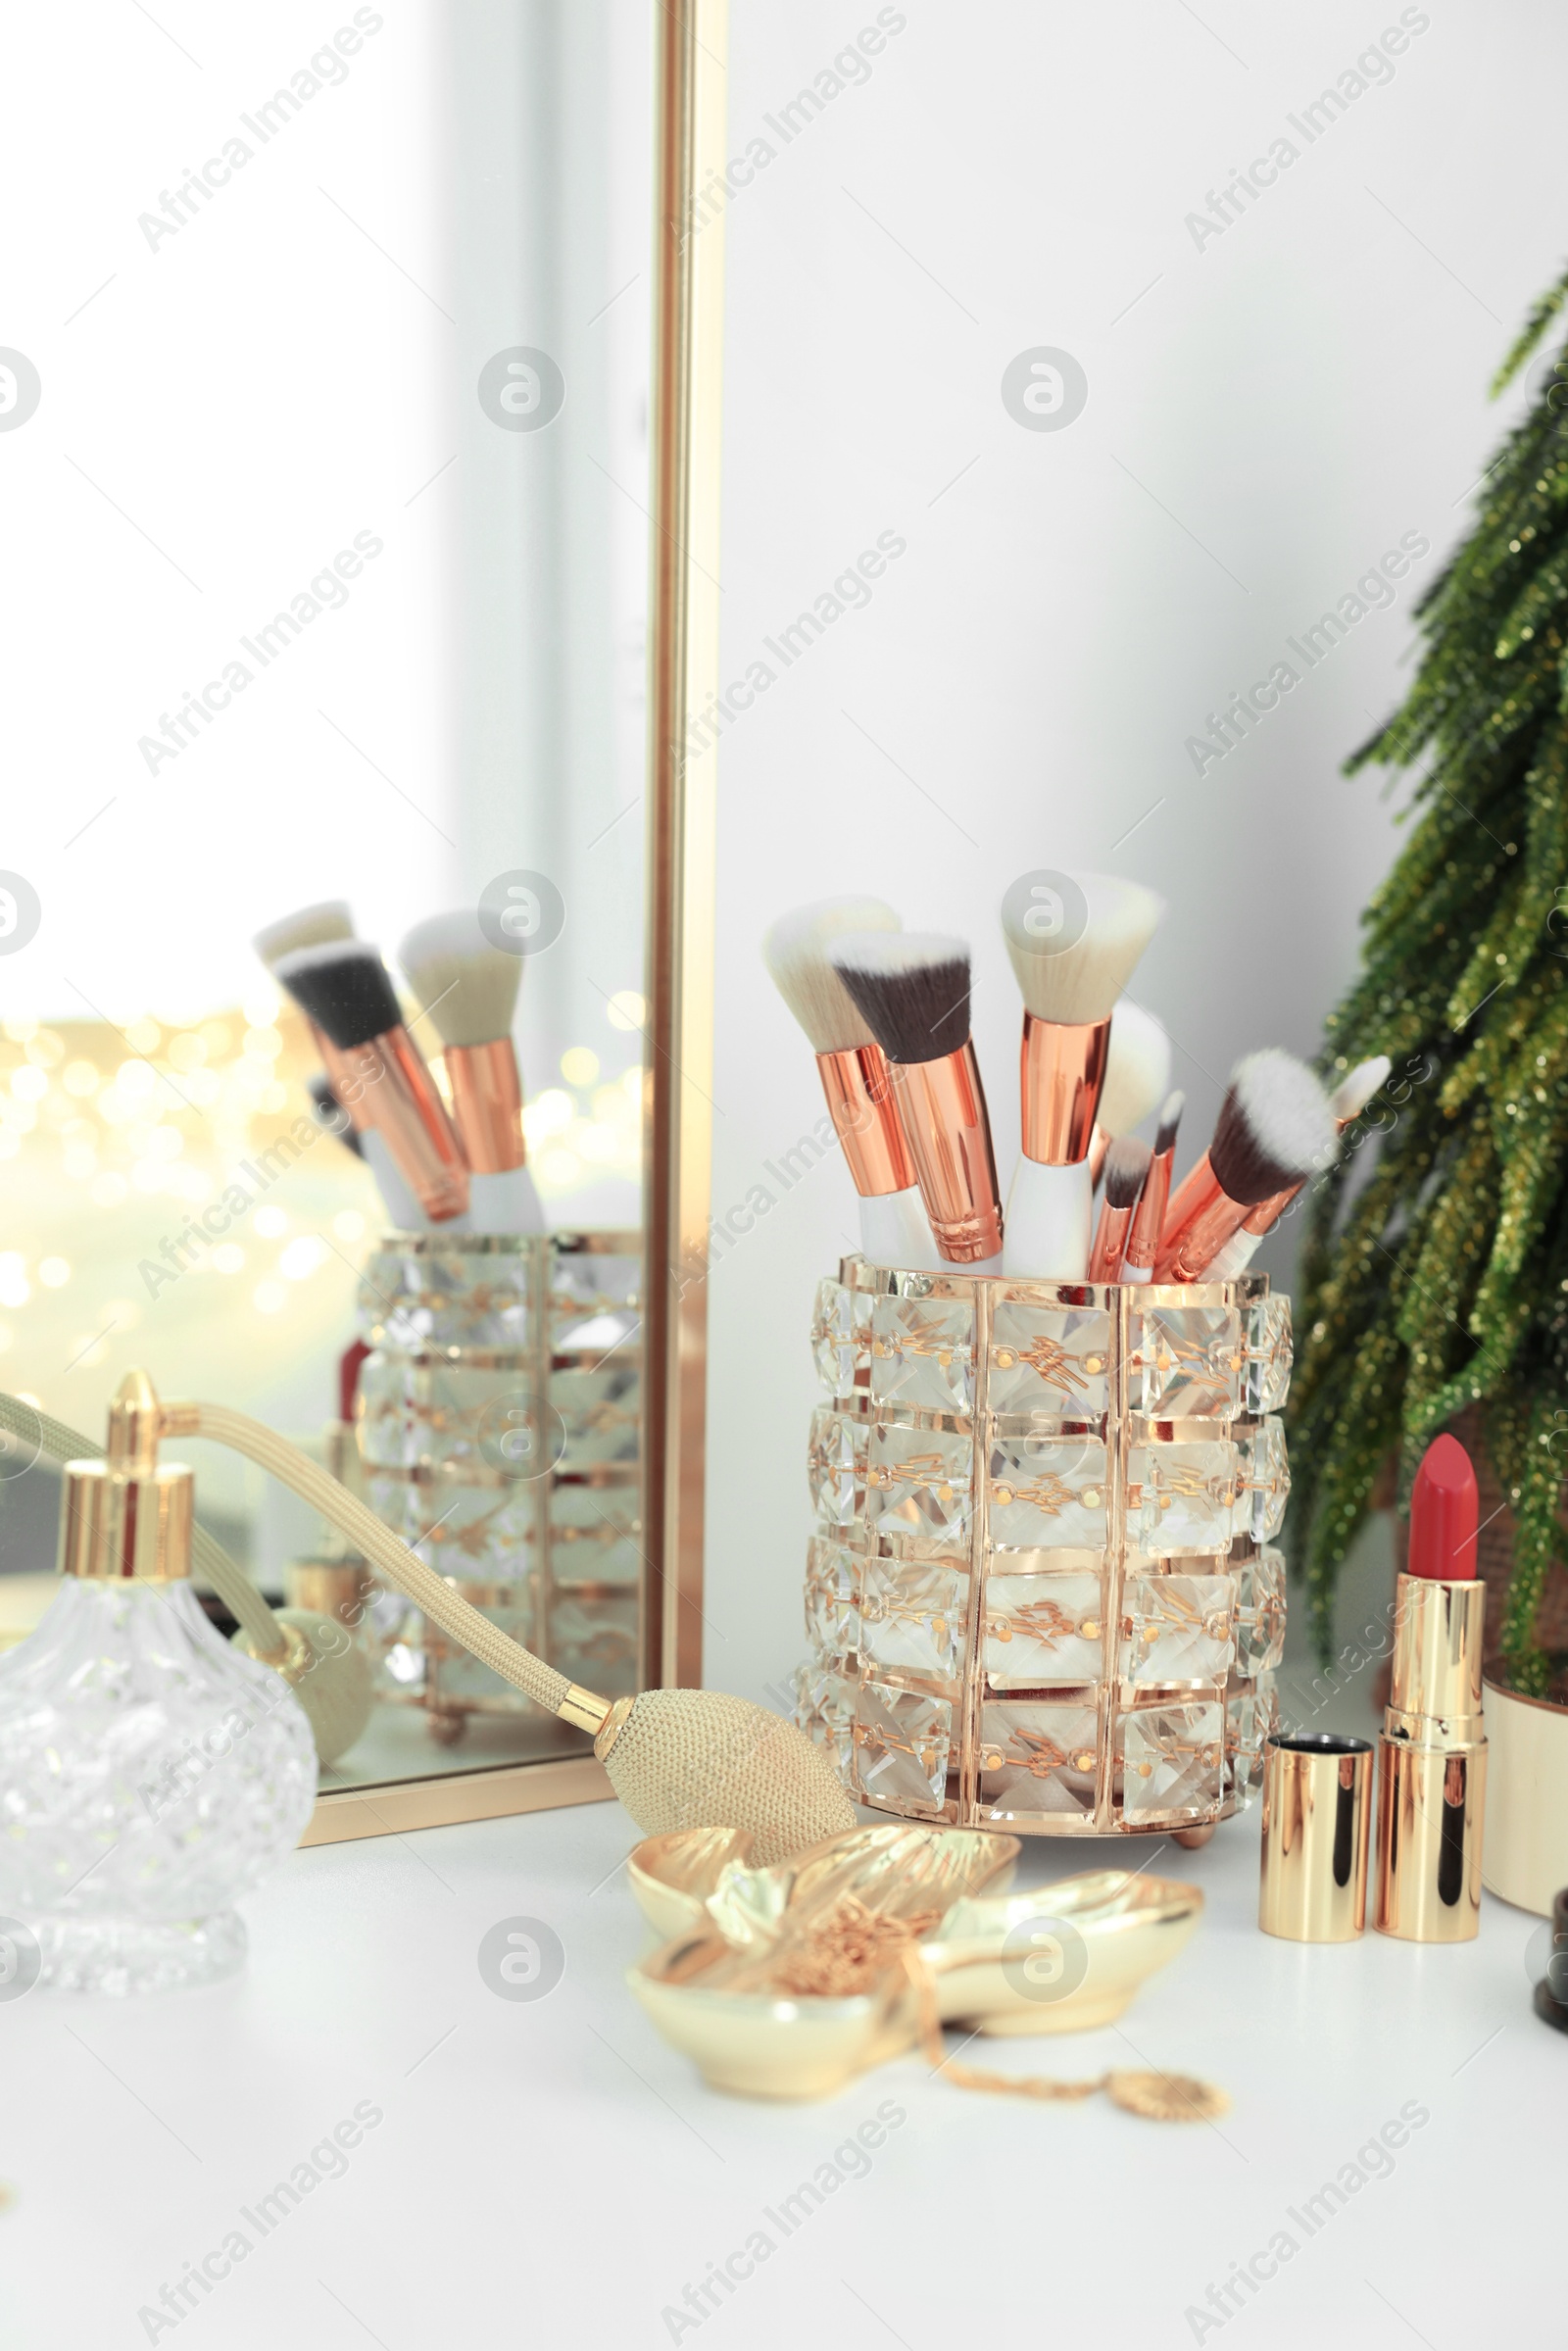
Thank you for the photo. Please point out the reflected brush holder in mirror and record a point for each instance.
(500, 1411)
(1043, 1595)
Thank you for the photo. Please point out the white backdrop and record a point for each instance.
(1272, 406)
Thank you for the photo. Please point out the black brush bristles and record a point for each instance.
(1274, 1128)
(330, 1115)
(912, 987)
(1170, 1120)
(344, 988)
(1126, 1166)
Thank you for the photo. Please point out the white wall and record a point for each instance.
(1263, 422)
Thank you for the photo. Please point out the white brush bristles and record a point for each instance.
(467, 986)
(312, 926)
(796, 952)
(1137, 1070)
(1077, 977)
(1286, 1110)
(1352, 1093)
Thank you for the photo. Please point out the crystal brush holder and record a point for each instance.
(1043, 1594)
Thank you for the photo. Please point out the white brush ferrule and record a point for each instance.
(895, 1231)
(1137, 1273)
(506, 1202)
(404, 1213)
(1046, 1230)
(1234, 1259)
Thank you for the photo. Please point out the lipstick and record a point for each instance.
(1432, 1755)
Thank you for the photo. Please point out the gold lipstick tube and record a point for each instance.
(1061, 1071)
(1143, 1241)
(859, 1086)
(1432, 1765)
(942, 1107)
(487, 1104)
(388, 1080)
(1200, 1219)
(1110, 1241)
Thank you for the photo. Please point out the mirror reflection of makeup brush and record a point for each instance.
(1127, 1163)
(375, 1066)
(1274, 1129)
(855, 1073)
(1137, 1078)
(1346, 1103)
(318, 926)
(913, 989)
(1143, 1241)
(1070, 975)
(469, 987)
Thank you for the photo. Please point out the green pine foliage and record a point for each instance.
(1434, 1267)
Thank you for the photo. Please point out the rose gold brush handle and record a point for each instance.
(1198, 1222)
(487, 1104)
(859, 1086)
(429, 1591)
(1061, 1069)
(1143, 1240)
(387, 1079)
(1110, 1241)
(942, 1107)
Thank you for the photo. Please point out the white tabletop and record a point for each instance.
(547, 2171)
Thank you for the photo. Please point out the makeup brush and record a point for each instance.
(1137, 1078)
(469, 987)
(1069, 988)
(376, 1069)
(330, 1115)
(1274, 1128)
(854, 1074)
(913, 989)
(1127, 1164)
(1143, 1241)
(318, 926)
(1345, 1105)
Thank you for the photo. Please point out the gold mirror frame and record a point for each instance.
(683, 679)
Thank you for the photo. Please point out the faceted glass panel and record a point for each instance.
(454, 1296)
(1044, 1629)
(832, 1619)
(1260, 1612)
(1181, 1498)
(918, 1483)
(903, 1744)
(1251, 1714)
(455, 1680)
(594, 1302)
(833, 1338)
(1053, 1360)
(1037, 1758)
(1185, 1363)
(593, 1635)
(1171, 1759)
(1176, 1628)
(594, 1532)
(912, 1618)
(600, 1414)
(824, 1709)
(1269, 1355)
(1048, 1493)
(1265, 1482)
(836, 1466)
(922, 1354)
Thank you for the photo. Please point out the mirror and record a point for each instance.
(338, 466)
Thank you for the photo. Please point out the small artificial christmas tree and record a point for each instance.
(1435, 1269)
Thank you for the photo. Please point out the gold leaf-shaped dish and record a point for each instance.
(1061, 1958)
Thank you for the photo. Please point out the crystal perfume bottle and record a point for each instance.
(149, 1772)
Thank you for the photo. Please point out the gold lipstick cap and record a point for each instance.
(1317, 1835)
(1432, 1765)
